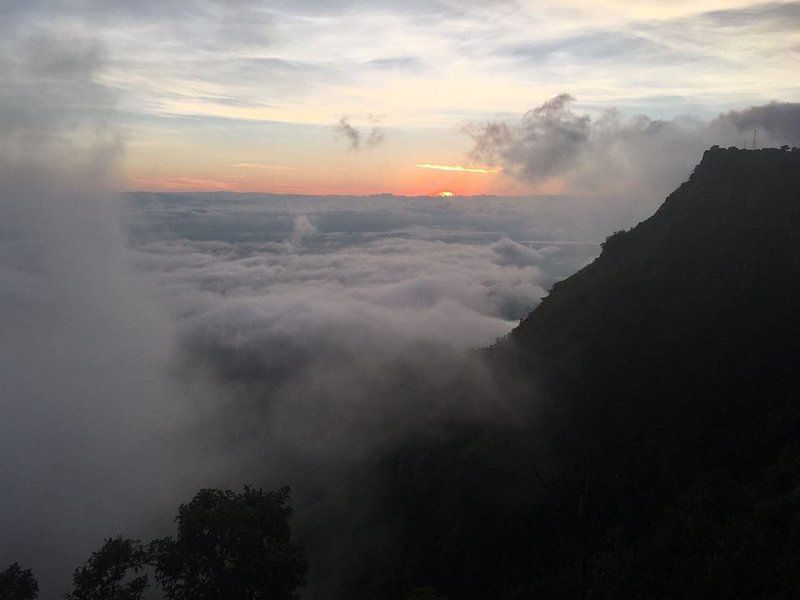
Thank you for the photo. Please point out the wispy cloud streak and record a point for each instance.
(459, 168)
(267, 167)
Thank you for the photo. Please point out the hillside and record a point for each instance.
(669, 366)
(653, 450)
(689, 319)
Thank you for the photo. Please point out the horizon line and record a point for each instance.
(372, 195)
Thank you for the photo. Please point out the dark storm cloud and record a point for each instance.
(637, 156)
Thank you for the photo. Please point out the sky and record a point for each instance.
(355, 97)
(152, 343)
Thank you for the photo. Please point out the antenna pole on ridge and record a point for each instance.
(755, 131)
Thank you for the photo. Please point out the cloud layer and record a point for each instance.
(611, 155)
(92, 425)
(276, 339)
(327, 323)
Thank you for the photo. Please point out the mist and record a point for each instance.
(639, 157)
(330, 323)
(94, 430)
(153, 344)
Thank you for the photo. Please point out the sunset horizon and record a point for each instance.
(353, 98)
(399, 299)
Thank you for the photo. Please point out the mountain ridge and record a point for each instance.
(720, 255)
(652, 447)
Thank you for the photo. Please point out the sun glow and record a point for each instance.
(459, 168)
(445, 194)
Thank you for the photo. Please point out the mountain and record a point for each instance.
(688, 320)
(669, 366)
(651, 447)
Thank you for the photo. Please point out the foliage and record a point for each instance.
(231, 545)
(18, 584)
(105, 576)
(426, 593)
(614, 242)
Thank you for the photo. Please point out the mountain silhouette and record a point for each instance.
(688, 321)
(668, 377)
(653, 449)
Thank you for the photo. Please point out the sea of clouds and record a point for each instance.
(152, 344)
(320, 323)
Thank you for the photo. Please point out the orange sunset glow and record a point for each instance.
(399, 299)
(327, 117)
(403, 179)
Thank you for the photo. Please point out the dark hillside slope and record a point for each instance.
(670, 372)
(655, 449)
(688, 320)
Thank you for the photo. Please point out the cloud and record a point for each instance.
(273, 60)
(355, 139)
(302, 229)
(352, 134)
(327, 323)
(92, 424)
(375, 137)
(459, 168)
(598, 47)
(545, 143)
(264, 340)
(611, 155)
(510, 252)
(773, 16)
(321, 351)
(779, 122)
(296, 331)
(263, 166)
(411, 64)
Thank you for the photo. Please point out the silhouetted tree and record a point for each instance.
(17, 583)
(615, 241)
(232, 545)
(101, 578)
(426, 593)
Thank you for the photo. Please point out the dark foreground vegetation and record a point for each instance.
(227, 546)
(648, 447)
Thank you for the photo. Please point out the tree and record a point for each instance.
(426, 593)
(101, 578)
(18, 584)
(232, 545)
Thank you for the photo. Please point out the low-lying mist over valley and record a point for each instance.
(525, 327)
(320, 320)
